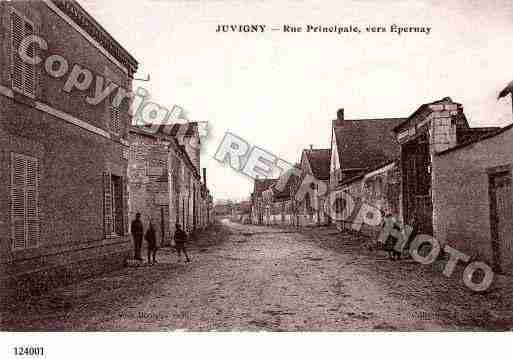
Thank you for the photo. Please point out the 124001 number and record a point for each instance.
(28, 351)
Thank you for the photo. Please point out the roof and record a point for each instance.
(366, 143)
(263, 184)
(487, 132)
(319, 162)
(360, 175)
(475, 134)
(285, 193)
(423, 107)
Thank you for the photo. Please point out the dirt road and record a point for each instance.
(259, 278)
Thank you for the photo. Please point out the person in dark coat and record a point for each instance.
(180, 239)
(137, 230)
(151, 240)
(391, 241)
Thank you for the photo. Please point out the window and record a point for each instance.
(24, 201)
(23, 75)
(115, 119)
(113, 209)
(117, 204)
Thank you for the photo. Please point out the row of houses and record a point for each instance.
(75, 170)
(430, 170)
(164, 180)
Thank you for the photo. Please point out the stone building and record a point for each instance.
(282, 203)
(259, 207)
(364, 163)
(379, 187)
(148, 181)
(473, 200)
(185, 201)
(431, 129)
(456, 181)
(310, 210)
(64, 156)
(164, 182)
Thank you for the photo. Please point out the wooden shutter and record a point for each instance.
(30, 69)
(32, 203)
(18, 169)
(17, 31)
(124, 184)
(115, 121)
(25, 222)
(23, 75)
(107, 205)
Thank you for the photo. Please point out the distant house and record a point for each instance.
(314, 163)
(164, 182)
(364, 163)
(224, 209)
(280, 201)
(241, 211)
(259, 207)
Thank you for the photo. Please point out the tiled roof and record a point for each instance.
(284, 194)
(263, 184)
(366, 143)
(319, 162)
(483, 136)
(469, 135)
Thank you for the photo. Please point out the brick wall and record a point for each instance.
(65, 41)
(148, 183)
(72, 162)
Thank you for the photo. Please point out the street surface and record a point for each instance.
(245, 277)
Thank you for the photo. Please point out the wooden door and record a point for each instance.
(424, 214)
(501, 210)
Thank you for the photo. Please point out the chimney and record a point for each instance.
(340, 114)
(205, 176)
(311, 147)
(443, 113)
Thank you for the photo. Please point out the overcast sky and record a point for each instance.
(280, 90)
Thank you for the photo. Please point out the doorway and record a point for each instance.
(501, 225)
(416, 173)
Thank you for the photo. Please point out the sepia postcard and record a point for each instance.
(254, 166)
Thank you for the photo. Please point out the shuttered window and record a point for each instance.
(25, 178)
(115, 119)
(114, 207)
(117, 205)
(107, 205)
(23, 75)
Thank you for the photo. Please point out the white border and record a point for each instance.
(256, 345)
